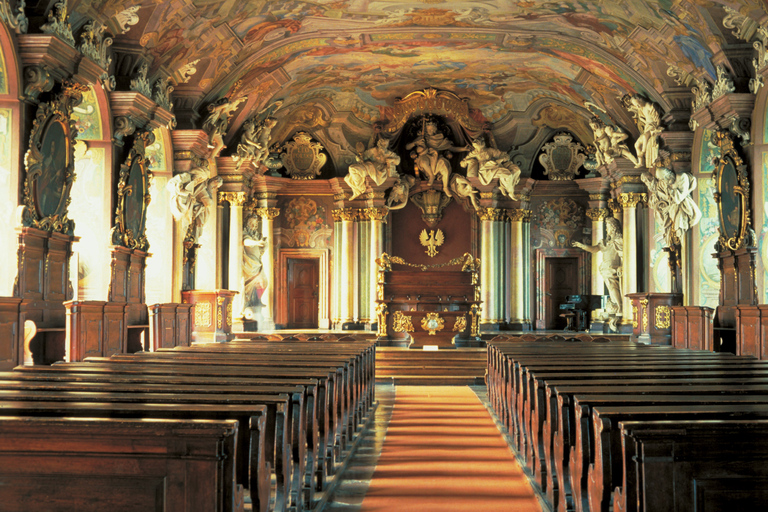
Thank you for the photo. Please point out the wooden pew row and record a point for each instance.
(682, 458)
(353, 373)
(280, 416)
(96, 464)
(240, 360)
(532, 420)
(251, 473)
(329, 382)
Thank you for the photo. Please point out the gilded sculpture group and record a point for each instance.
(428, 151)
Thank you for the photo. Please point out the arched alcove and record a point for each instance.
(158, 286)
(9, 156)
(91, 206)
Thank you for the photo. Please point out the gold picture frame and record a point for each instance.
(50, 163)
(133, 196)
(731, 195)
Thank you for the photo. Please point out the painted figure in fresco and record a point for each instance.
(612, 250)
(254, 143)
(398, 196)
(217, 122)
(427, 151)
(254, 247)
(490, 163)
(649, 123)
(377, 163)
(462, 188)
(670, 198)
(193, 195)
(609, 143)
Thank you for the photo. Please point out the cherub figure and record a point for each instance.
(462, 188)
(398, 196)
(217, 122)
(609, 142)
(427, 153)
(377, 163)
(490, 163)
(649, 122)
(254, 143)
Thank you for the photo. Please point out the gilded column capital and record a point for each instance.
(632, 199)
(492, 214)
(597, 197)
(378, 214)
(267, 213)
(233, 198)
(598, 214)
(519, 215)
(344, 214)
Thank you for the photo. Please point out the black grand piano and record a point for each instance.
(576, 308)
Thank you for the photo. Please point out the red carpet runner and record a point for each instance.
(443, 452)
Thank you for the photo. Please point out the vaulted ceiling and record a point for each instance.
(522, 64)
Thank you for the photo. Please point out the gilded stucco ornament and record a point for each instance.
(303, 158)
(402, 323)
(431, 203)
(431, 239)
(12, 13)
(562, 157)
(50, 163)
(133, 197)
(432, 323)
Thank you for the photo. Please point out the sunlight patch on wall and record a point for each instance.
(708, 229)
(158, 285)
(7, 204)
(88, 210)
(762, 262)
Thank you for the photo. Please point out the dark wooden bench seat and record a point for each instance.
(251, 467)
(684, 459)
(97, 464)
(282, 418)
(185, 375)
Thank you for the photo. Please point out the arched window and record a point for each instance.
(10, 149)
(91, 206)
(158, 287)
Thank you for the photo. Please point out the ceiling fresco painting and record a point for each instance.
(352, 59)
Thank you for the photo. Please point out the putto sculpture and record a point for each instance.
(490, 163)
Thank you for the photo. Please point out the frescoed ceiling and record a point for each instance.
(352, 58)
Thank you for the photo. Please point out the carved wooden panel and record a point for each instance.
(114, 329)
(212, 314)
(652, 316)
(85, 329)
(10, 332)
(692, 327)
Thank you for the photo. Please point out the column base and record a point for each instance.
(352, 326)
(492, 326)
(519, 326)
(267, 324)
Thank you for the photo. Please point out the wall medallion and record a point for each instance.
(302, 158)
(432, 323)
(562, 157)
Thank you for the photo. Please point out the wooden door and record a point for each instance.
(561, 280)
(303, 287)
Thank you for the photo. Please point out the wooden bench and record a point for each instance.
(251, 466)
(96, 464)
(685, 459)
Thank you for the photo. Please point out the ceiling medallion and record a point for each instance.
(432, 240)
(432, 323)
(302, 157)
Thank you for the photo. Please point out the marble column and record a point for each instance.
(632, 257)
(235, 253)
(336, 271)
(268, 216)
(519, 271)
(377, 217)
(347, 285)
(598, 216)
(490, 245)
(363, 297)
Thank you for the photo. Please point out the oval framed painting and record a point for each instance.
(50, 186)
(732, 195)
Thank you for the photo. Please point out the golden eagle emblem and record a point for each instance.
(432, 240)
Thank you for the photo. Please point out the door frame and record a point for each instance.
(582, 271)
(323, 296)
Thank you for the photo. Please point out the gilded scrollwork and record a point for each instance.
(732, 195)
(461, 324)
(663, 318)
(432, 323)
(401, 322)
(303, 158)
(598, 214)
(490, 214)
(133, 197)
(381, 317)
(644, 306)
